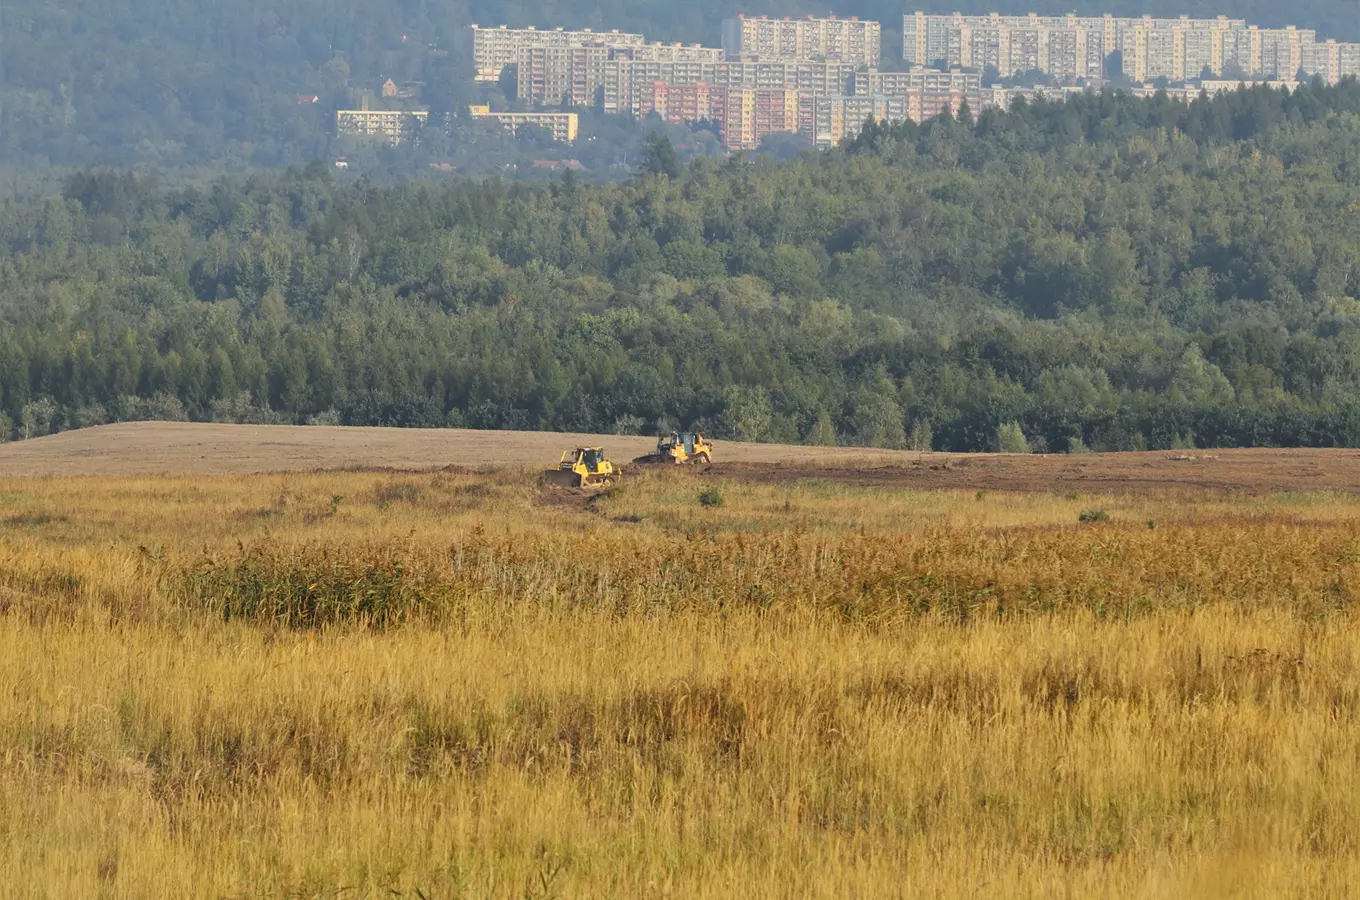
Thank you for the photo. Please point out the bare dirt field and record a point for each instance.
(146, 448)
(1239, 471)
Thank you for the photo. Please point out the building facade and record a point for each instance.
(493, 49)
(575, 76)
(563, 126)
(839, 40)
(625, 81)
(744, 111)
(392, 126)
(556, 76)
(1073, 47)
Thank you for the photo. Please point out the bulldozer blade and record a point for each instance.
(560, 478)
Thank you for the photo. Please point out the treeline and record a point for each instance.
(1109, 274)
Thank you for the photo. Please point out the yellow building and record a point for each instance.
(562, 126)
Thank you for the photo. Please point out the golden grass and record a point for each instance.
(354, 684)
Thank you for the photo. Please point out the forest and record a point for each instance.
(174, 84)
(1109, 273)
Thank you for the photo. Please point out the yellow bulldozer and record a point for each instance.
(681, 447)
(583, 466)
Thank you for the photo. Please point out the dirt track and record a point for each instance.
(159, 448)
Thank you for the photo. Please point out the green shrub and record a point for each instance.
(711, 496)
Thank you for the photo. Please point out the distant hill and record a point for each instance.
(168, 83)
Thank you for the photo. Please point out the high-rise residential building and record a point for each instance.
(1072, 47)
(745, 113)
(575, 76)
(1282, 50)
(873, 83)
(495, 48)
(837, 40)
(679, 104)
(1331, 61)
(554, 76)
(626, 81)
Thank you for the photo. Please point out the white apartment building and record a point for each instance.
(1078, 46)
(851, 41)
(1331, 61)
(552, 76)
(495, 48)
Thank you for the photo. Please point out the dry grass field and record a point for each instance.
(764, 683)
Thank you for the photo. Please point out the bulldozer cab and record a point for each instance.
(688, 440)
(591, 457)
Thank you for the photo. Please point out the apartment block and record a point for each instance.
(734, 113)
(553, 76)
(681, 104)
(575, 76)
(563, 126)
(1282, 50)
(839, 40)
(625, 81)
(658, 52)
(389, 125)
(1211, 87)
(1073, 47)
(1331, 61)
(744, 114)
(495, 48)
(1003, 97)
(900, 84)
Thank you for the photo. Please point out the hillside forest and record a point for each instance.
(1109, 273)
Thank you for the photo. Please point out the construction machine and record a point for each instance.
(584, 466)
(681, 447)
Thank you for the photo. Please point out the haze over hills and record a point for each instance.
(170, 83)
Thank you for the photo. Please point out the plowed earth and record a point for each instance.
(150, 448)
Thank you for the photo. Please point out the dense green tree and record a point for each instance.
(1108, 273)
(659, 156)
